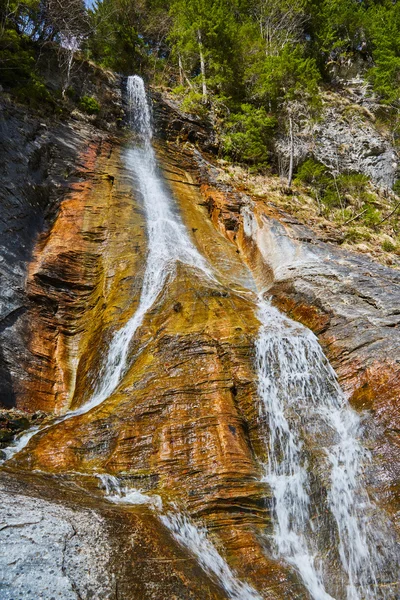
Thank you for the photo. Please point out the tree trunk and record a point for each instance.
(180, 70)
(182, 74)
(202, 66)
(291, 157)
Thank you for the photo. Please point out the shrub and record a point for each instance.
(388, 246)
(357, 234)
(248, 135)
(311, 172)
(372, 216)
(352, 183)
(34, 93)
(193, 104)
(89, 105)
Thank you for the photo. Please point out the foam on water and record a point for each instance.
(187, 534)
(301, 400)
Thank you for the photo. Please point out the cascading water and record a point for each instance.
(168, 241)
(196, 541)
(301, 402)
(187, 534)
(168, 244)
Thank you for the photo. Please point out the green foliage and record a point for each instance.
(357, 234)
(89, 105)
(396, 187)
(18, 71)
(353, 183)
(388, 246)
(207, 30)
(286, 77)
(336, 31)
(371, 216)
(34, 93)
(248, 135)
(193, 104)
(17, 59)
(128, 36)
(311, 172)
(254, 65)
(334, 192)
(383, 28)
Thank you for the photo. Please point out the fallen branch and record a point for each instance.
(356, 217)
(390, 214)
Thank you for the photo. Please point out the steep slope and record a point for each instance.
(184, 420)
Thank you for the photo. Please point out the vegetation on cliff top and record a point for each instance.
(256, 68)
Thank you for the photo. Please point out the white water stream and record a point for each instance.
(187, 534)
(168, 244)
(302, 405)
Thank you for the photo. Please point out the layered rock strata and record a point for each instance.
(183, 421)
(349, 301)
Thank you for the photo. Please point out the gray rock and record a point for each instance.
(346, 138)
(57, 541)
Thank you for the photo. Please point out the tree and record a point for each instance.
(281, 22)
(203, 37)
(129, 36)
(383, 30)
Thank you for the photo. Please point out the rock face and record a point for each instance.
(345, 138)
(350, 302)
(43, 161)
(184, 419)
(61, 544)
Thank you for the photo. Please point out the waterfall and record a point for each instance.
(311, 434)
(168, 244)
(196, 541)
(302, 403)
(186, 533)
(122, 494)
(168, 241)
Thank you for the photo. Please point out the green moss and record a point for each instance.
(89, 105)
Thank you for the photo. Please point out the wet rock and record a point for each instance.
(348, 300)
(14, 422)
(69, 545)
(174, 423)
(40, 166)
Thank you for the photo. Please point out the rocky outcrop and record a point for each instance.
(345, 138)
(349, 301)
(184, 420)
(64, 544)
(45, 160)
(173, 125)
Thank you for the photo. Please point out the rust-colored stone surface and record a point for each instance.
(133, 554)
(350, 302)
(183, 422)
(80, 281)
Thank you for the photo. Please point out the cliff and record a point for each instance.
(183, 423)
